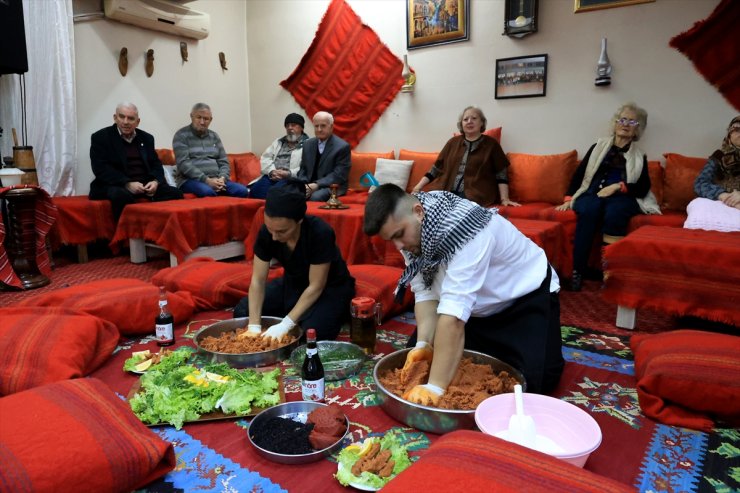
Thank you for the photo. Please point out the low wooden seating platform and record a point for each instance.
(675, 270)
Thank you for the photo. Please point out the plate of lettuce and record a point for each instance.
(380, 460)
(176, 392)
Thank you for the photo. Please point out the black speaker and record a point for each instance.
(13, 56)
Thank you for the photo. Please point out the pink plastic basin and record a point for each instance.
(571, 428)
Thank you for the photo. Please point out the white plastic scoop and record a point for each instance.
(522, 429)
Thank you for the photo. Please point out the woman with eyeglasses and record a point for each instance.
(610, 186)
(718, 187)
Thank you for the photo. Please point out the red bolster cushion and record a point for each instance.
(214, 285)
(77, 435)
(467, 460)
(131, 304)
(379, 282)
(688, 378)
(40, 346)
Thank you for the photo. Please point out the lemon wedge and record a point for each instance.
(141, 354)
(144, 365)
(215, 377)
(366, 446)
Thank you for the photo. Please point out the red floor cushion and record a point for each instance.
(213, 284)
(131, 304)
(688, 378)
(39, 346)
(77, 435)
(379, 282)
(467, 460)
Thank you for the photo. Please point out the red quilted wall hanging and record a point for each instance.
(348, 72)
(713, 46)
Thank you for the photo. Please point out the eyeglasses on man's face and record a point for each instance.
(627, 122)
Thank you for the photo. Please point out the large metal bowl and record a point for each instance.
(349, 358)
(427, 418)
(246, 360)
(297, 411)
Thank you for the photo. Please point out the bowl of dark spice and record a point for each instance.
(298, 432)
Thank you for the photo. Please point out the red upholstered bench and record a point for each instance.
(675, 270)
(80, 222)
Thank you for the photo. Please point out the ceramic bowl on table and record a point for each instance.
(339, 359)
(564, 430)
(427, 418)
(246, 360)
(297, 411)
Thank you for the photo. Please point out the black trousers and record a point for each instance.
(526, 336)
(327, 315)
(120, 197)
(613, 213)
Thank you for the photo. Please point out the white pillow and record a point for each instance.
(394, 171)
(169, 175)
(712, 215)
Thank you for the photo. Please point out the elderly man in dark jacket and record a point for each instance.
(125, 164)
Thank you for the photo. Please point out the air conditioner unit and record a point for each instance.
(160, 15)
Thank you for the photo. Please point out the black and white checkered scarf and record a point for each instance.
(449, 222)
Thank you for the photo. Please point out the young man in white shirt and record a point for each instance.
(478, 284)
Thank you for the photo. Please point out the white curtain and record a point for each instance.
(51, 115)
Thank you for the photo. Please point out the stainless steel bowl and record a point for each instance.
(246, 360)
(297, 411)
(340, 359)
(426, 418)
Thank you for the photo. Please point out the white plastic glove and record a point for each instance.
(277, 331)
(426, 395)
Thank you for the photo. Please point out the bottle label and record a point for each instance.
(164, 332)
(313, 390)
(162, 303)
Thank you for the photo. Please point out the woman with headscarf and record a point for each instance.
(610, 186)
(317, 287)
(718, 187)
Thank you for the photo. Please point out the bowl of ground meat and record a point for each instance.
(298, 432)
(478, 377)
(226, 342)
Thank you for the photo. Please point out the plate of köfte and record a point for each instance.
(368, 465)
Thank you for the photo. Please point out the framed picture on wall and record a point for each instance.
(586, 5)
(434, 22)
(521, 77)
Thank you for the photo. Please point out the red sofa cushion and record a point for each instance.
(379, 282)
(688, 377)
(491, 132)
(130, 304)
(77, 435)
(364, 162)
(39, 346)
(673, 219)
(214, 285)
(245, 167)
(467, 460)
(535, 178)
(657, 176)
(423, 162)
(680, 174)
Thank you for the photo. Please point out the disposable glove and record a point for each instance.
(426, 395)
(277, 331)
(422, 352)
(253, 330)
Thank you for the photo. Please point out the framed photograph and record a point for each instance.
(435, 22)
(521, 77)
(586, 5)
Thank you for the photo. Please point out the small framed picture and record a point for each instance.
(586, 5)
(436, 22)
(521, 77)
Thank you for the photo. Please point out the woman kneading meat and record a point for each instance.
(316, 288)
